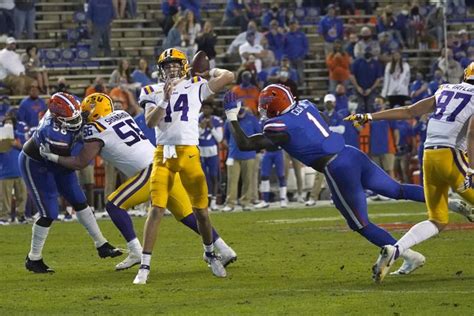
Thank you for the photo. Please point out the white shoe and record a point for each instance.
(227, 208)
(4, 222)
(462, 208)
(310, 202)
(300, 199)
(412, 261)
(213, 205)
(216, 266)
(131, 260)
(262, 204)
(383, 263)
(284, 203)
(142, 275)
(227, 256)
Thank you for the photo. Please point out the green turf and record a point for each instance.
(306, 267)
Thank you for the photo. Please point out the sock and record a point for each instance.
(265, 189)
(134, 246)
(191, 222)
(377, 235)
(121, 220)
(209, 249)
(417, 234)
(213, 202)
(220, 244)
(412, 192)
(87, 219)
(146, 260)
(38, 238)
(283, 193)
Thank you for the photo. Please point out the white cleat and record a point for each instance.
(217, 268)
(284, 203)
(227, 208)
(227, 256)
(131, 260)
(412, 261)
(310, 202)
(383, 263)
(462, 208)
(262, 204)
(142, 275)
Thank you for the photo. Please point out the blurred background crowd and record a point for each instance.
(346, 56)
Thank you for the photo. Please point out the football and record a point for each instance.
(200, 63)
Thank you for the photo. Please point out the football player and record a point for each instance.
(115, 136)
(58, 130)
(173, 108)
(445, 163)
(299, 129)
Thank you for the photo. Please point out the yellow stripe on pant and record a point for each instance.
(136, 190)
(443, 168)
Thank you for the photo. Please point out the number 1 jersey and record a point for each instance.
(180, 125)
(124, 144)
(448, 124)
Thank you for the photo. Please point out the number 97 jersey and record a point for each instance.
(123, 143)
(448, 124)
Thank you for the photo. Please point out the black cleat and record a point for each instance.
(107, 250)
(37, 266)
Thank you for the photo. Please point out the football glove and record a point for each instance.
(46, 153)
(358, 120)
(231, 105)
(468, 181)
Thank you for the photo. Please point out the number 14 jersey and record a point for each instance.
(180, 125)
(124, 144)
(448, 124)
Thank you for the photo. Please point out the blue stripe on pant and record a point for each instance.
(44, 184)
(350, 173)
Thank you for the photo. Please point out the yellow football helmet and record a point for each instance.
(96, 105)
(172, 55)
(469, 72)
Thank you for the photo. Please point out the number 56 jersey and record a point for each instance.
(124, 144)
(448, 124)
(180, 125)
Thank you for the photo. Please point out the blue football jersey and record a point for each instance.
(310, 137)
(206, 139)
(50, 132)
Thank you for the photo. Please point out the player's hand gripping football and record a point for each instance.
(359, 119)
(468, 181)
(231, 105)
(46, 153)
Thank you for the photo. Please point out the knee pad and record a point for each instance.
(79, 206)
(44, 221)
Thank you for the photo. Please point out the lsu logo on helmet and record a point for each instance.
(96, 105)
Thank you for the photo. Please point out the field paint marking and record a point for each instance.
(333, 218)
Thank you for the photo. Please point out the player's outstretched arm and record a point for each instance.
(219, 79)
(244, 142)
(87, 153)
(402, 113)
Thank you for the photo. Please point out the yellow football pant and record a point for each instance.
(188, 166)
(443, 168)
(136, 190)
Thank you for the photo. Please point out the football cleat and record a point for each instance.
(37, 266)
(216, 265)
(107, 250)
(284, 203)
(383, 263)
(227, 208)
(462, 208)
(226, 257)
(262, 204)
(131, 260)
(142, 275)
(412, 261)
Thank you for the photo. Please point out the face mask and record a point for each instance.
(368, 56)
(366, 37)
(284, 74)
(438, 77)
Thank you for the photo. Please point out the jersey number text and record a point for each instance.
(180, 105)
(443, 100)
(129, 129)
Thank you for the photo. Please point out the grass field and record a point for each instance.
(296, 261)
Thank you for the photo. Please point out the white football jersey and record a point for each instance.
(124, 144)
(448, 124)
(180, 126)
